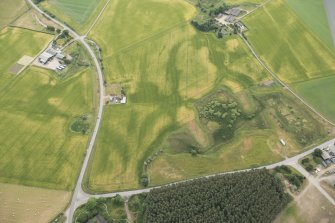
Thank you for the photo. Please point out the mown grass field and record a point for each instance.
(165, 67)
(38, 149)
(30, 204)
(15, 43)
(320, 93)
(286, 44)
(79, 14)
(10, 10)
(314, 16)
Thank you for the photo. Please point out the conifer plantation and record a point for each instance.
(255, 196)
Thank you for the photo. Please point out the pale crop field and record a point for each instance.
(30, 204)
(37, 147)
(286, 44)
(10, 10)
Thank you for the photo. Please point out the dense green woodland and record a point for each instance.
(255, 196)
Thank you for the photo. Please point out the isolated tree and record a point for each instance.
(317, 153)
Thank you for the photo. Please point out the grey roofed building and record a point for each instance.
(230, 19)
(328, 153)
(51, 51)
(233, 11)
(60, 56)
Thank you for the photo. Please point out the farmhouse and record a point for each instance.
(117, 99)
(328, 154)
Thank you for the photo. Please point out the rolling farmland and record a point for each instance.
(36, 112)
(165, 70)
(282, 40)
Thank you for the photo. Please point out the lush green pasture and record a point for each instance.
(15, 43)
(164, 72)
(286, 44)
(10, 10)
(314, 16)
(79, 14)
(37, 147)
(320, 94)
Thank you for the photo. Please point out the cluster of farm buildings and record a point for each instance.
(230, 16)
(52, 58)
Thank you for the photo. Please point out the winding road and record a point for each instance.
(80, 197)
(78, 193)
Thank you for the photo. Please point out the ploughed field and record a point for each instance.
(169, 71)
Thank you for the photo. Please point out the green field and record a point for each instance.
(36, 113)
(314, 16)
(286, 44)
(166, 67)
(320, 94)
(16, 43)
(79, 14)
(10, 10)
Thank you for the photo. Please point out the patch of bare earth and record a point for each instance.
(308, 207)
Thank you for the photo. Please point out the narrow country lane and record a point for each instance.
(78, 192)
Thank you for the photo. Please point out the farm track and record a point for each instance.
(80, 197)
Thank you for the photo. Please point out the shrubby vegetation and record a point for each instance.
(110, 209)
(310, 164)
(205, 21)
(294, 178)
(224, 113)
(81, 124)
(255, 196)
